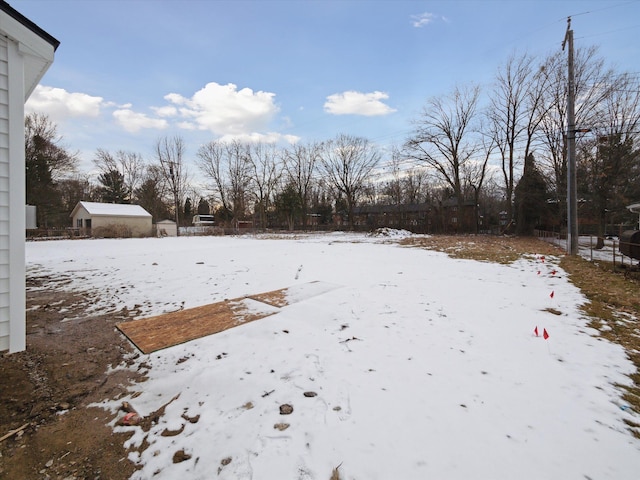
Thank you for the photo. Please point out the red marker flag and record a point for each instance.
(538, 272)
(545, 334)
(536, 331)
(553, 272)
(552, 294)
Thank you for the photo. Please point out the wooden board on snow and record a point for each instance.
(163, 331)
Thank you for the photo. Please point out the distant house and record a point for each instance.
(203, 220)
(96, 218)
(415, 217)
(26, 53)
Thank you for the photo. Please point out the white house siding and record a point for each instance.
(4, 192)
(12, 195)
(26, 52)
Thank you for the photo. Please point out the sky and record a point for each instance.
(423, 366)
(129, 72)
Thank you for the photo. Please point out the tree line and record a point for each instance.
(504, 149)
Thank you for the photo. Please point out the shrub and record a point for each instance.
(112, 231)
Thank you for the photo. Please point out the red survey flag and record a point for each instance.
(545, 334)
(552, 294)
(538, 272)
(553, 272)
(536, 331)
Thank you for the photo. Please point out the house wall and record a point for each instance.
(12, 198)
(26, 52)
(4, 192)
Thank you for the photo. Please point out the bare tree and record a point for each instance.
(170, 156)
(609, 161)
(43, 142)
(211, 160)
(300, 164)
(591, 80)
(443, 138)
(227, 166)
(474, 174)
(514, 114)
(239, 176)
(265, 175)
(46, 164)
(128, 164)
(415, 185)
(347, 163)
(393, 187)
(153, 193)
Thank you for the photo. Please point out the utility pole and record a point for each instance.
(572, 184)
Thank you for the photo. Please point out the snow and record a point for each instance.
(424, 366)
(587, 249)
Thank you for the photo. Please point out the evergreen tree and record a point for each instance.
(113, 189)
(203, 207)
(186, 219)
(46, 164)
(530, 198)
(289, 205)
(149, 196)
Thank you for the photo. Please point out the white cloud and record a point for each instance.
(167, 111)
(357, 103)
(133, 122)
(225, 110)
(60, 105)
(422, 19)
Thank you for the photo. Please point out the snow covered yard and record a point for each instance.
(422, 366)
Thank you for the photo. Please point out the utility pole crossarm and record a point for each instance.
(566, 35)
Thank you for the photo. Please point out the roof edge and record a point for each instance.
(13, 13)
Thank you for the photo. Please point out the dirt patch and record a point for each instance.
(50, 386)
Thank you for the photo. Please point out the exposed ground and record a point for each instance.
(64, 369)
(67, 365)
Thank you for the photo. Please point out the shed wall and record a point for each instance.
(140, 226)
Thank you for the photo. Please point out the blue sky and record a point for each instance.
(128, 72)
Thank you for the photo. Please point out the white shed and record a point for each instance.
(167, 228)
(26, 53)
(92, 216)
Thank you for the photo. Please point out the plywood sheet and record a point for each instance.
(163, 331)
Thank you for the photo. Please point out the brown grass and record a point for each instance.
(614, 310)
(614, 301)
(483, 248)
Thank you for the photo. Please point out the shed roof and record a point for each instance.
(111, 209)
